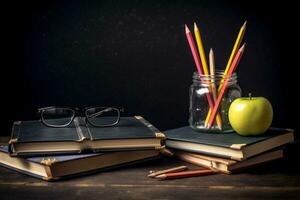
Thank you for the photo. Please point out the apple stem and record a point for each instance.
(250, 96)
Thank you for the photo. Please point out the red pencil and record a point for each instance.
(197, 61)
(232, 68)
(193, 49)
(185, 174)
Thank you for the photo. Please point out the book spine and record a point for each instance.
(79, 132)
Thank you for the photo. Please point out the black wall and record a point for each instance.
(135, 54)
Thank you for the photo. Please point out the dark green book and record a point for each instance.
(227, 145)
(131, 133)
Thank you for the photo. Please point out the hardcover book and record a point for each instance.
(62, 166)
(131, 133)
(227, 145)
(226, 165)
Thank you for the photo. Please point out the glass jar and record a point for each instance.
(199, 107)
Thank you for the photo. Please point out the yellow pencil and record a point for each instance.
(233, 52)
(235, 48)
(204, 63)
(201, 49)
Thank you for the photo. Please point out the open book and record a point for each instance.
(131, 133)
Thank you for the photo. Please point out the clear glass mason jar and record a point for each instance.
(199, 106)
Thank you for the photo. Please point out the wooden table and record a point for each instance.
(278, 179)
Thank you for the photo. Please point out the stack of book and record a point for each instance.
(227, 152)
(54, 153)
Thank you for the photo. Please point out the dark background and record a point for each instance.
(135, 54)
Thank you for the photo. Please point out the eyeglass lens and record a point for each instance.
(57, 116)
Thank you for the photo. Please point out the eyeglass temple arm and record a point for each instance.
(45, 108)
(100, 112)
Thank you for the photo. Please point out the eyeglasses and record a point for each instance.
(96, 116)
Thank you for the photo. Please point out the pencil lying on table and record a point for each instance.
(175, 169)
(185, 174)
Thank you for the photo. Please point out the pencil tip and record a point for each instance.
(243, 47)
(245, 23)
(161, 176)
(195, 26)
(151, 175)
(211, 51)
(187, 30)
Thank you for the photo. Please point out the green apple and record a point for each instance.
(250, 115)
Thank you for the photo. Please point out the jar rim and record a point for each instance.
(218, 74)
(217, 78)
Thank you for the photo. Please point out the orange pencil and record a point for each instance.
(185, 174)
(231, 70)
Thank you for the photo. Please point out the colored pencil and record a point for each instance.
(185, 174)
(235, 48)
(231, 70)
(204, 63)
(200, 49)
(193, 49)
(197, 62)
(213, 85)
(212, 73)
(233, 52)
(175, 169)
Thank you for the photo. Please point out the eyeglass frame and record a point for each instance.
(75, 114)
